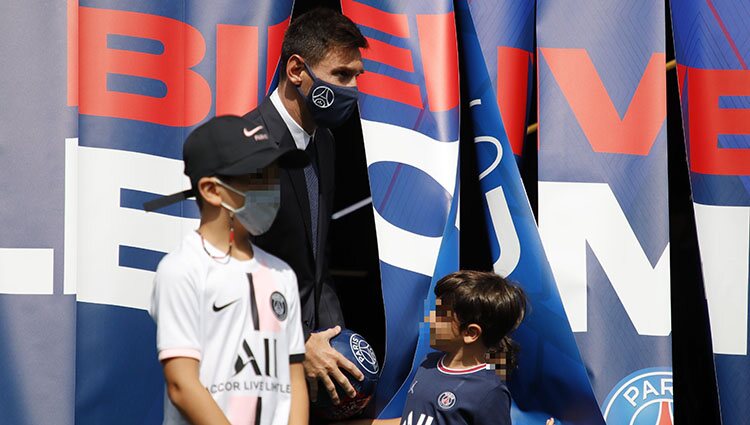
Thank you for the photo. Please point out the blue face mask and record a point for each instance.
(330, 104)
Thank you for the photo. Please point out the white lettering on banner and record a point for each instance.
(30, 271)
(574, 214)
(635, 392)
(498, 154)
(723, 238)
(458, 210)
(386, 142)
(397, 247)
(103, 225)
(26, 271)
(505, 230)
(502, 220)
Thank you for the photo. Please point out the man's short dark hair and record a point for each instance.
(315, 33)
(488, 300)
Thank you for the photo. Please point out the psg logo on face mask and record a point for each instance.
(642, 398)
(322, 96)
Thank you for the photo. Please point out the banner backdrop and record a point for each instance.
(409, 107)
(37, 317)
(505, 30)
(551, 380)
(148, 73)
(603, 201)
(712, 43)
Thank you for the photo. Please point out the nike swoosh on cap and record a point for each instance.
(249, 133)
(218, 309)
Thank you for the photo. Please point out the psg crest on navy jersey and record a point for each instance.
(446, 400)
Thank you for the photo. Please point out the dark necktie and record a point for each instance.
(311, 179)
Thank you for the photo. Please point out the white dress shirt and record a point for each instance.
(300, 136)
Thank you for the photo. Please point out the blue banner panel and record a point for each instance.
(409, 107)
(712, 44)
(551, 379)
(603, 200)
(505, 30)
(148, 74)
(37, 316)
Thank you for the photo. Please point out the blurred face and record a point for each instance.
(267, 179)
(445, 333)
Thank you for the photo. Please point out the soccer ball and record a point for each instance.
(359, 352)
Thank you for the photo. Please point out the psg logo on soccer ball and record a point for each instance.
(322, 97)
(359, 352)
(642, 398)
(363, 353)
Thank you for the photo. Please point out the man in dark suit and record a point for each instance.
(320, 61)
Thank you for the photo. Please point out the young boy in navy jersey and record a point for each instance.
(474, 313)
(229, 334)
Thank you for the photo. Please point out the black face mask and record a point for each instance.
(329, 104)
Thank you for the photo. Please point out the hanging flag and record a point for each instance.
(505, 30)
(712, 43)
(551, 380)
(37, 312)
(603, 195)
(409, 107)
(149, 72)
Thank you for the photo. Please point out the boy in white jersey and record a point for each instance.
(229, 333)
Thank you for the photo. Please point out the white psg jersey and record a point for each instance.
(240, 319)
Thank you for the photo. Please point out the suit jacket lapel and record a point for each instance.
(276, 126)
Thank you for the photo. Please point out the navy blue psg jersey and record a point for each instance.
(442, 396)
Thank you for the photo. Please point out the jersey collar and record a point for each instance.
(449, 371)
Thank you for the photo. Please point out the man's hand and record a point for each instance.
(323, 363)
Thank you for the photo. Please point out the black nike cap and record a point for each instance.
(229, 146)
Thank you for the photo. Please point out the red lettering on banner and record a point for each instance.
(377, 84)
(188, 98)
(396, 57)
(275, 37)
(513, 93)
(72, 40)
(390, 88)
(437, 42)
(708, 121)
(681, 72)
(391, 23)
(584, 90)
(236, 74)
